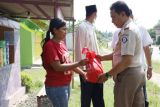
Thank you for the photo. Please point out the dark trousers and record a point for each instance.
(145, 95)
(91, 92)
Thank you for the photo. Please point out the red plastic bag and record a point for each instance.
(94, 68)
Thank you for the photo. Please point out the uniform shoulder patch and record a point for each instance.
(124, 39)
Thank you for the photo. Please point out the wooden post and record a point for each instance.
(73, 51)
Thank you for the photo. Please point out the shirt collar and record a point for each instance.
(88, 22)
(126, 25)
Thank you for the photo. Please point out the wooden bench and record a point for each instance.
(42, 99)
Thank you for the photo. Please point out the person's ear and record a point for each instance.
(54, 30)
(123, 13)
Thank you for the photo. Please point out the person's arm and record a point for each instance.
(81, 72)
(57, 66)
(105, 57)
(149, 61)
(147, 40)
(121, 66)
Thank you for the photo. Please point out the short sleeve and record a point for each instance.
(128, 43)
(146, 38)
(50, 53)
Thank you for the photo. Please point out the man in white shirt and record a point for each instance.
(146, 56)
(86, 37)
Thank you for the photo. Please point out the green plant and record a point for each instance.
(38, 83)
(158, 40)
(26, 81)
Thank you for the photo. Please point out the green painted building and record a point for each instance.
(30, 48)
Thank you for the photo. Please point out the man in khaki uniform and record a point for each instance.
(129, 76)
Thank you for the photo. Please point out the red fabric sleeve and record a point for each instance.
(50, 53)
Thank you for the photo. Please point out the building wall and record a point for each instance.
(10, 80)
(30, 46)
(37, 45)
(26, 38)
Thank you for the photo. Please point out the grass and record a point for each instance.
(152, 90)
(156, 67)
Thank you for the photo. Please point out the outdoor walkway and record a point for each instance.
(156, 53)
(37, 63)
(156, 57)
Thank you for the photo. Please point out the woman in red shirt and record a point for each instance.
(55, 58)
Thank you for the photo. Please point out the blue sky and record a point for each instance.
(146, 12)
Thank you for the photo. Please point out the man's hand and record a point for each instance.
(84, 75)
(149, 73)
(102, 78)
(99, 57)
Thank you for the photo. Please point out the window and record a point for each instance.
(6, 46)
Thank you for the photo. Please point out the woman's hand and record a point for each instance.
(83, 62)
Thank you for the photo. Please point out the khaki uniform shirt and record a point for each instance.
(129, 43)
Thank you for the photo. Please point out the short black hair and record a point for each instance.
(119, 7)
(131, 14)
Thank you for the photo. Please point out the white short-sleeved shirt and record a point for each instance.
(85, 37)
(146, 40)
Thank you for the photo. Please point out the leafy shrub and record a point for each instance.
(38, 83)
(26, 81)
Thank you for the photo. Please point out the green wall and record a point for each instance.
(26, 47)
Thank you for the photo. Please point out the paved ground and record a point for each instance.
(156, 57)
(156, 53)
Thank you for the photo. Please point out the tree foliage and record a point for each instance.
(152, 33)
(102, 38)
(70, 26)
(158, 41)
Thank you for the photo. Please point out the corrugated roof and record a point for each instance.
(36, 9)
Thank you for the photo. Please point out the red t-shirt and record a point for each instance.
(54, 51)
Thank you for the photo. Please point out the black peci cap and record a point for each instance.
(90, 9)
